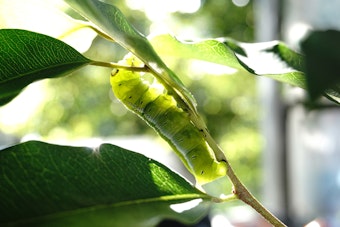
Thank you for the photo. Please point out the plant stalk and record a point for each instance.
(118, 66)
(244, 195)
(239, 190)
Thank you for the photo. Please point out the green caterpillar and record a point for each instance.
(153, 104)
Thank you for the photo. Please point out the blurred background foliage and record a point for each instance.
(82, 105)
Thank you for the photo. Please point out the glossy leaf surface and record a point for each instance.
(270, 59)
(51, 184)
(28, 56)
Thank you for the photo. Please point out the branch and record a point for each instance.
(118, 66)
(244, 195)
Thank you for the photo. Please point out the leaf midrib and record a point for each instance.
(57, 215)
(52, 67)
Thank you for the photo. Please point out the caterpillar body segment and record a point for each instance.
(160, 110)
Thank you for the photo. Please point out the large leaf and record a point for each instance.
(322, 52)
(271, 59)
(27, 56)
(208, 50)
(110, 19)
(50, 185)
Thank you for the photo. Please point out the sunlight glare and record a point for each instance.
(240, 3)
(262, 61)
(157, 10)
(313, 224)
(45, 17)
(297, 32)
(181, 207)
(220, 221)
(22, 108)
(205, 67)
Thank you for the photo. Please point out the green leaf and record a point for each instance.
(297, 79)
(292, 63)
(208, 50)
(45, 184)
(254, 58)
(270, 59)
(27, 57)
(333, 94)
(233, 44)
(110, 19)
(292, 58)
(322, 52)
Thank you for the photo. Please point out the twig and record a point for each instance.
(118, 66)
(244, 195)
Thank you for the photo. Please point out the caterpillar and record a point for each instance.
(151, 102)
